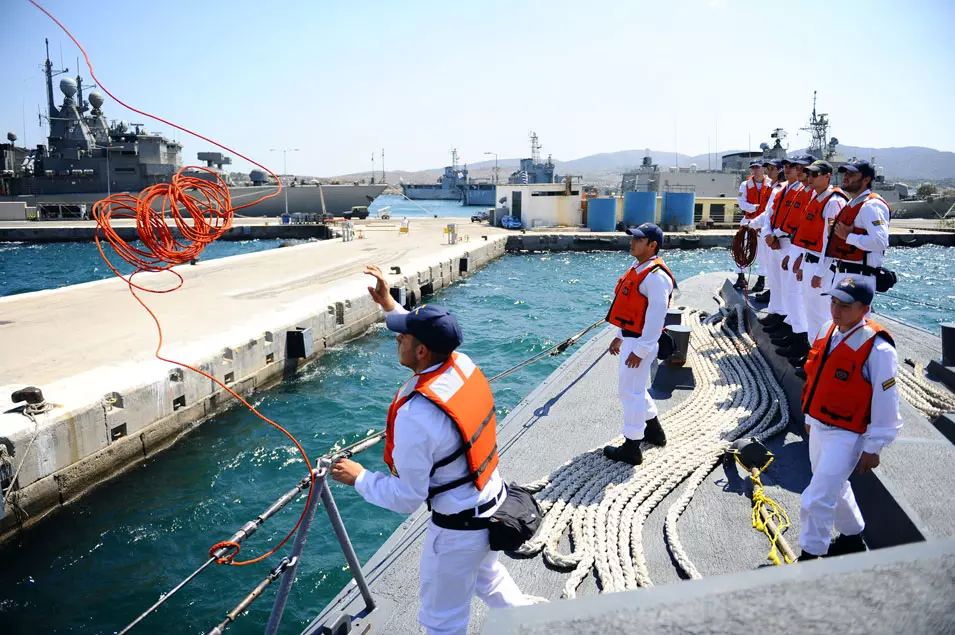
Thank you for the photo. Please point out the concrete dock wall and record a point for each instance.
(111, 419)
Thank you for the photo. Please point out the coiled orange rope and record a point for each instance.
(744, 246)
(201, 210)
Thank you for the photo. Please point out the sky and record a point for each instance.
(340, 81)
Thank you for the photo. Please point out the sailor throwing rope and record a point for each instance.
(441, 447)
(638, 311)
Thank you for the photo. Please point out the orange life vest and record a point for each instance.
(813, 226)
(461, 391)
(796, 206)
(779, 205)
(757, 196)
(838, 247)
(835, 391)
(629, 307)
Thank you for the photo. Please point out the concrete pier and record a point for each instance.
(248, 320)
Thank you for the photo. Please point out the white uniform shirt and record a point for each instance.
(874, 219)
(424, 434)
(745, 205)
(656, 288)
(829, 213)
(881, 366)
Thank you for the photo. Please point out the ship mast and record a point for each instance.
(535, 149)
(818, 129)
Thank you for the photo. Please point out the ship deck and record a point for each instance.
(558, 421)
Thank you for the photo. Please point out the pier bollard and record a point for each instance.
(681, 344)
(948, 344)
(673, 316)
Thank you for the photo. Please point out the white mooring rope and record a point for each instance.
(931, 400)
(605, 504)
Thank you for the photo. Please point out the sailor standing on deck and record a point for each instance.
(638, 310)
(860, 234)
(851, 404)
(753, 195)
(773, 272)
(792, 342)
(447, 398)
(811, 236)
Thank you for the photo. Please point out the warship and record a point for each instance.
(447, 188)
(88, 158)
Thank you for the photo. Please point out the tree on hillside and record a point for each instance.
(926, 189)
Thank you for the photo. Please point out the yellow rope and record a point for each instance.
(775, 512)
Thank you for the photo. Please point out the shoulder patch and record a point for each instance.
(888, 383)
(876, 222)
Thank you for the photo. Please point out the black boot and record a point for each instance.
(780, 328)
(654, 433)
(740, 283)
(805, 556)
(800, 373)
(759, 286)
(797, 348)
(770, 319)
(629, 452)
(843, 545)
(782, 341)
(763, 298)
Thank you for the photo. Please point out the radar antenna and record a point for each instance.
(818, 129)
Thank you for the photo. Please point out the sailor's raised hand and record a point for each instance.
(381, 292)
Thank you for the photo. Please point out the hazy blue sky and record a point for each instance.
(340, 80)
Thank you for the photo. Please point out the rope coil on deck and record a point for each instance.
(931, 400)
(604, 504)
(744, 246)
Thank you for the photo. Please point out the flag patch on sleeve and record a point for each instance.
(876, 222)
(888, 383)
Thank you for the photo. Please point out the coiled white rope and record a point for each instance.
(604, 504)
(931, 400)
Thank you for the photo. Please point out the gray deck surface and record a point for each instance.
(577, 409)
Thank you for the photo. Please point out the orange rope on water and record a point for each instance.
(201, 210)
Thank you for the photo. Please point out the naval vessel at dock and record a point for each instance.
(88, 157)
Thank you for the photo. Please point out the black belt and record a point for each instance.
(811, 258)
(853, 268)
(627, 333)
(466, 520)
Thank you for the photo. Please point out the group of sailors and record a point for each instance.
(818, 251)
(811, 235)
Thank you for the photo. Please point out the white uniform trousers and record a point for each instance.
(816, 304)
(792, 291)
(774, 279)
(828, 500)
(633, 387)
(456, 565)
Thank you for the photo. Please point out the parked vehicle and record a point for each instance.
(480, 217)
(358, 211)
(384, 213)
(511, 222)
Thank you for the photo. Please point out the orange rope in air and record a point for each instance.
(202, 211)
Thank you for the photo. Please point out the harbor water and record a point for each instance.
(95, 565)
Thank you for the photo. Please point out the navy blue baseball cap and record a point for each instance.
(803, 159)
(853, 289)
(755, 164)
(775, 163)
(431, 325)
(648, 231)
(862, 167)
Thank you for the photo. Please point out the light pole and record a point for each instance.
(495, 165)
(284, 169)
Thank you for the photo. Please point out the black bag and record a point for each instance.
(666, 345)
(515, 521)
(884, 279)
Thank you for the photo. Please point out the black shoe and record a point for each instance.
(779, 329)
(783, 342)
(629, 452)
(795, 350)
(759, 286)
(740, 283)
(804, 557)
(843, 545)
(654, 433)
(797, 362)
(770, 319)
(763, 298)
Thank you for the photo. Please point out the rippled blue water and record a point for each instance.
(96, 564)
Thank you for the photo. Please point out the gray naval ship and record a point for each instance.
(87, 158)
